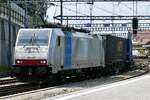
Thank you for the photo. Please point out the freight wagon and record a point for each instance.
(117, 52)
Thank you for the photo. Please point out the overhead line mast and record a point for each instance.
(61, 11)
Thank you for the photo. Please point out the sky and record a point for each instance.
(99, 8)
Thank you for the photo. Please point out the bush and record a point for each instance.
(4, 68)
(3, 1)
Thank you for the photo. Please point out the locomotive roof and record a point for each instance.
(60, 32)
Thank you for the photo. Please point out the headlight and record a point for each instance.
(43, 61)
(19, 61)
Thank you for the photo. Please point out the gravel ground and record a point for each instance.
(67, 88)
(143, 67)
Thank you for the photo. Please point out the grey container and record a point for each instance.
(115, 49)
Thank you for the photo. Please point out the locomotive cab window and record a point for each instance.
(33, 38)
(58, 41)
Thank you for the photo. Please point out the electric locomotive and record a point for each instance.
(50, 54)
(43, 53)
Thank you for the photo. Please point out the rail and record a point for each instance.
(14, 89)
(8, 81)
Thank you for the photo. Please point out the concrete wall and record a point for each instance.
(17, 20)
(4, 40)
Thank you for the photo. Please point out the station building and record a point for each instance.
(141, 44)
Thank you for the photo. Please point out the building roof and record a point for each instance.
(142, 38)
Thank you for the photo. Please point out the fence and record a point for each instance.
(15, 16)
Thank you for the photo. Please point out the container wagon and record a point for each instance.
(117, 53)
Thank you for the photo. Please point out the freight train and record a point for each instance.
(52, 54)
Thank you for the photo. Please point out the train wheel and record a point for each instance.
(103, 71)
(98, 72)
(53, 79)
(107, 70)
(60, 78)
(87, 75)
(117, 68)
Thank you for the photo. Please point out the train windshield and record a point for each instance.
(33, 38)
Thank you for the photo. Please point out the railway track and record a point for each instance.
(9, 90)
(4, 74)
(47, 91)
(141, 63)
(21, 88)
(8, 81)
(14, 89)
